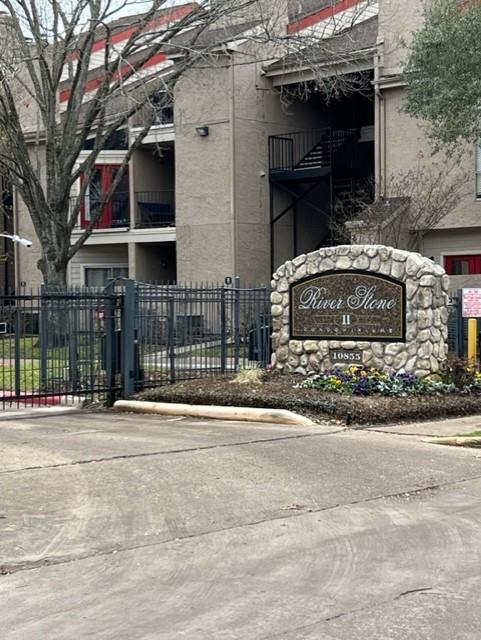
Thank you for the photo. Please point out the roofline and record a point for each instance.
(355, 56)
(122, 34)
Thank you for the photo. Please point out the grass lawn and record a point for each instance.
(57, 375)
(30, 349)
(29, 377)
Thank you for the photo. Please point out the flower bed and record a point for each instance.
(366, 381)
(291, 391)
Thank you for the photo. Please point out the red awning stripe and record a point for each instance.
(94, 83)
(120, 36)
(319, 16)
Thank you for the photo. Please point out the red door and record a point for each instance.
(115, 211)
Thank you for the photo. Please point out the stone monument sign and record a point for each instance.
(360, 304)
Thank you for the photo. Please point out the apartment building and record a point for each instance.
(248, 165)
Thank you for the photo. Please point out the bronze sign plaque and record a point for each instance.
(351, 305)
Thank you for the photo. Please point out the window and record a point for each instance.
(463, 265)
(117, 141)
(163, 107)
(99, 276)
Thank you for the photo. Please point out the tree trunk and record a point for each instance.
(54, 271)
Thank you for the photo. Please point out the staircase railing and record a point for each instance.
(288, 150)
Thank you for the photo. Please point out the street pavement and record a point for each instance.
(132, 527)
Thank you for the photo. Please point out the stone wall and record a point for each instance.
(426, 311)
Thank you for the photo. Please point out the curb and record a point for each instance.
(25, 413)
(458, 441)
(273, 416)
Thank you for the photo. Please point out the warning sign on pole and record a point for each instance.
(471, 303)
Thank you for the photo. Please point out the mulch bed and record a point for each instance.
(278, 393)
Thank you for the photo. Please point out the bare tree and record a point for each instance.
(69, 49)
(415, 202)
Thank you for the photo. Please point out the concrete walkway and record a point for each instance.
(434, 428)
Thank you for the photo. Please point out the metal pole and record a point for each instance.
(43, 337)
(128, 339)
(223, 332)
(171, 338)
(18, 326)
(237, 318)
(472, 340)
(73, 351)
(111, 358)
(460, 325)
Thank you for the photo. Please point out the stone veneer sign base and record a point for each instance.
(373, 304)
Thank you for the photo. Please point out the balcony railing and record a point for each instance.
(155, 209)
(152, 209)
(115, 213)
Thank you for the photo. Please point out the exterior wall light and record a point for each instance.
(203, 131)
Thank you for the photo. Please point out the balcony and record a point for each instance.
(153, 209)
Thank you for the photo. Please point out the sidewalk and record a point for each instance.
(433, 428)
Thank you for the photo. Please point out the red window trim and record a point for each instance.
(473, 260)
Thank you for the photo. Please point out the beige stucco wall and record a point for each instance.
(407, 145)
(397, 22)
(222, 181)
(203, 214)
(153, 262)
(151, 172)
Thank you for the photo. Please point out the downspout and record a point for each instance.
(16, 256)
(233, 207)
(380, 116)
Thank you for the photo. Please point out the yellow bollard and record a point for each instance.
(472, 340)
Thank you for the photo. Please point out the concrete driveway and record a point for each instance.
(131, 527)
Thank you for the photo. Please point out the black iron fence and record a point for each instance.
(51, 346)
(91, 344)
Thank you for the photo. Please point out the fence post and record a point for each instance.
(111, 357)
(460, 325)
(223, 331)
(18, 327)
(43, 337)
(258, 329)
(237, 318)
(266, 333)
(171, 338)
(73, 351)
(128, 338)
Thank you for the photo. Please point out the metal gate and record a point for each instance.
(97, 345)
(53, 346)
